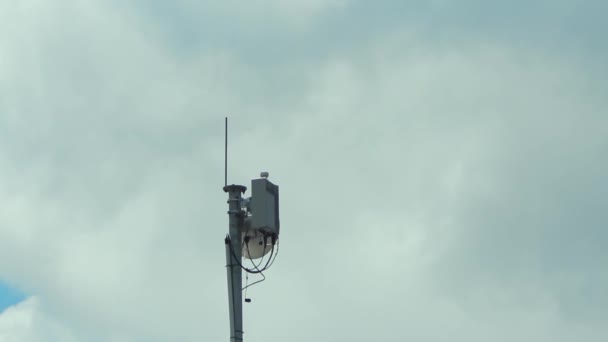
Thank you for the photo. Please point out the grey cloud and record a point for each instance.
(428, 191)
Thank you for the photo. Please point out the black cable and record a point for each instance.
(275, 256)
(235, 258)
(269, 258)
(245, 268)
(256, 282)
(246, 285)
(246, 239)
(267, 261)
(261, 259)
(265, 266)
(256, 267)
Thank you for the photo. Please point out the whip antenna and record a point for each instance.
(226, 152)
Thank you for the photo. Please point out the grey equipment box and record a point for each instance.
(264, 206)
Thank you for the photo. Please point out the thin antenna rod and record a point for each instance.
(226, 152)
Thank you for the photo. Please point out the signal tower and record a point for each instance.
(253, 233)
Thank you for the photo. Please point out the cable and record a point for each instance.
(246, 240)
(256, 267)
(269, 258)
(245, 268)
(262, 259)
(275, 256)
(246, 285)
(269, 262)
(255, 282)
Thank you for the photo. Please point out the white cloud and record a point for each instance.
(25, 322)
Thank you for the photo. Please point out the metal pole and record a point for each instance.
(233, 259)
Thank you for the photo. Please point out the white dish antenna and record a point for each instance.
(256, 244)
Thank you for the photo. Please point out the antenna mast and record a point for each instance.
(233, 249)
(233, 261)
(254, 224)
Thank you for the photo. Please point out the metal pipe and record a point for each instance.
(233, 259)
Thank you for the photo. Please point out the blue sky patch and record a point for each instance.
(9, 296)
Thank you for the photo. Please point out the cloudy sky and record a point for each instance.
(442, 167)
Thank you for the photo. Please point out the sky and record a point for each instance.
(441, 167)
(9, 296)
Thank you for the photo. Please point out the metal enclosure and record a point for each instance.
(264, 206)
